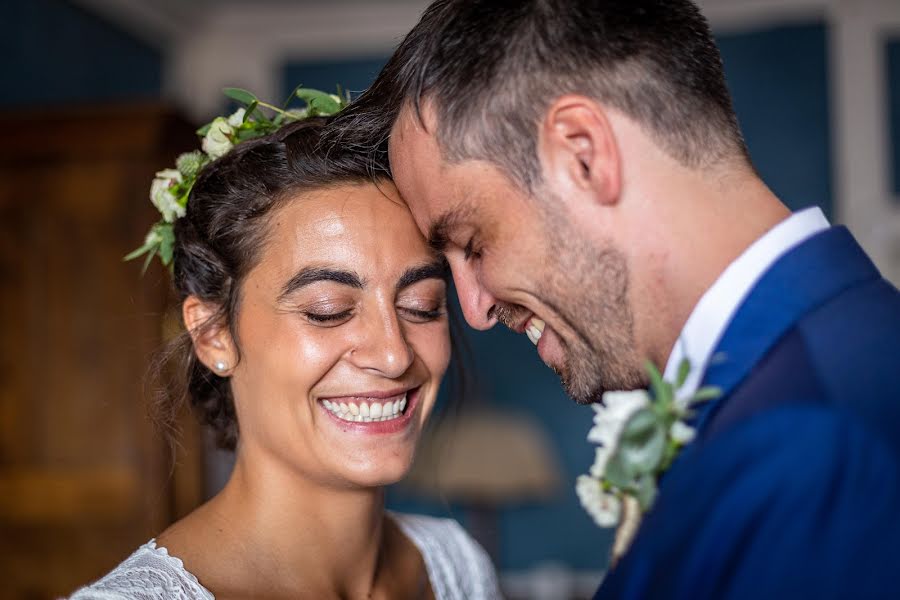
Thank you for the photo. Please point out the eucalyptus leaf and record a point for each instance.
(645, 492)
(618, 473)
(240, 95)
(706, 393)
(643, 442)
(684, 368)
(662, 390)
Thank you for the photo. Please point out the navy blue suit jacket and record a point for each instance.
(792, 487)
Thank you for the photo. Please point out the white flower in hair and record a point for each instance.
(162, 197)
(237, 117)
(217, 141)
(604, 508)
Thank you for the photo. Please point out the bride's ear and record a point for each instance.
(212, 339)
(578, 149)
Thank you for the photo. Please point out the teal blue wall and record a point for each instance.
(779, 80)
(53, 53)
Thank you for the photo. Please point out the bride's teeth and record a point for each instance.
(365, 412)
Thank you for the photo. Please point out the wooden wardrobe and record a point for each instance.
(85, 477)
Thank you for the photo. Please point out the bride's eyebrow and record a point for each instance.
(309, 275)
(436, 270)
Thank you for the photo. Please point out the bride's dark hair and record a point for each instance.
(218, 241)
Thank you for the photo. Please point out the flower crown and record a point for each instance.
(171, 188)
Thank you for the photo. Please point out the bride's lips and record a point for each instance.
(409, 398)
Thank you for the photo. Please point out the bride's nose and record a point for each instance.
(383, 347)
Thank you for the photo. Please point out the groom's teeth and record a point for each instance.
(535, 330)
(366, 412)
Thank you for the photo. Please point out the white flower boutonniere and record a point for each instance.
(638, 435)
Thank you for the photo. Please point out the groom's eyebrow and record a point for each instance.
(310, 275)
(440, 231)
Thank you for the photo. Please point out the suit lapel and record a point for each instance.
(798, 282)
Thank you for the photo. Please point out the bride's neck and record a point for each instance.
(318, 533)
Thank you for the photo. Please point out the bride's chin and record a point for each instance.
(382, 476)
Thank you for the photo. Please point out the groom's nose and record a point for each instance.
(476, 301)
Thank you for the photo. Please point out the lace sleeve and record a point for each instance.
(148, 574)
(459, 569)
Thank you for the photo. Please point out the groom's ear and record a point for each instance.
(578, 149)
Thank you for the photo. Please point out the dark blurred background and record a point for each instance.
(96, 95)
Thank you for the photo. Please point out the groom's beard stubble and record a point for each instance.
(602, 356)
(588, 289)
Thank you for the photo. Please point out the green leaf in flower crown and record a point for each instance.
(291, 97)
(204, 130)
(684, 368)
(147, 247)
(167, 242)
(240, 95)
(319, 103)
(643, 442)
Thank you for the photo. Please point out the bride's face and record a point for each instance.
(343, 334)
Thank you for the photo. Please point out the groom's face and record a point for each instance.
(515, 262)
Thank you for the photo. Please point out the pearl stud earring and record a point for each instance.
(220, 366)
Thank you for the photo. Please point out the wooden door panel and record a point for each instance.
(84, 475)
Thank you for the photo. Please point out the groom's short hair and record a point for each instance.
(491, 68)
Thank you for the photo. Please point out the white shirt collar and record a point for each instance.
(707, 323)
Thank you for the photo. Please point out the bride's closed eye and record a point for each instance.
(418, 315)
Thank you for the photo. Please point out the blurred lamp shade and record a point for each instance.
(485, 457)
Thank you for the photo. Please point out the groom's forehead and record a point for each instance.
(414, 133)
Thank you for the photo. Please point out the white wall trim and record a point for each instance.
(861, 144)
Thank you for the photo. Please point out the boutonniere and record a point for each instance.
(638, 437)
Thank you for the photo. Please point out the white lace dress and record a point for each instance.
(458, 568)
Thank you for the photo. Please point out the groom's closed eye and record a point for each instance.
(440, 232)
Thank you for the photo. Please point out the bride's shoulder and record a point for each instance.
(451, 555)
(151, 573)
